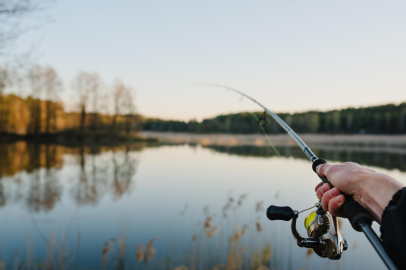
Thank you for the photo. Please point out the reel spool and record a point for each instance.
(316, 228)
(309, 223)
(325, 240)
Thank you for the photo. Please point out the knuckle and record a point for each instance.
(332, 204)
(351, 163)
(325, 200)
(326, 187)
(320, 193)
(329, 194)
(333, 208)
(323, 169)
(335, 191)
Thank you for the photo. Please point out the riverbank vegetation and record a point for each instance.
(384, 119)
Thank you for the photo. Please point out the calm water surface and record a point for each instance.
(164, 206)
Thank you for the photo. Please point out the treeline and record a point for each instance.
(385, 119)
(38, 110)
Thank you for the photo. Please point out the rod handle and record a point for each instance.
(352, 209)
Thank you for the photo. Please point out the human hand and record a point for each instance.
(371, 189)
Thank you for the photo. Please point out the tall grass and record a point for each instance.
(206, 248)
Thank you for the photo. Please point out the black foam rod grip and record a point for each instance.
(352, 209)
(279, 213)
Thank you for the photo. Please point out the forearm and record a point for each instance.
(375, 196)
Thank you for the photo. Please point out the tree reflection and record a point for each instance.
(100, 179)
(2, 195)
(44, 190)
(22, 156)
(86, 191)
(30, 173)
(123, 173)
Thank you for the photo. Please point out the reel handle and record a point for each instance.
(279, 213)
(353, 210)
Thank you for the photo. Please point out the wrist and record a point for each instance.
(377, 195)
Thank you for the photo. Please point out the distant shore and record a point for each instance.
(77, 138)
(390, 143)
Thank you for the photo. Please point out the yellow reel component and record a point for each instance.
(309, 223)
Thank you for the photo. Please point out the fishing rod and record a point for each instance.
(325, 240)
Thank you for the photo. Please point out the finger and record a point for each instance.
(322, 189)
(317, 187)
(327, 196)
(321, 169)
(335, 204)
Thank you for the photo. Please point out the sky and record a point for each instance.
(289, 55)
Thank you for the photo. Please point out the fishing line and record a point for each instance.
(263, 131)
(307, 209)
(263, 116)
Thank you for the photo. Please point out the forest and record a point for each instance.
(34, 108)
(384, 119)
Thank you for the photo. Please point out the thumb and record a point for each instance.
(322, 169)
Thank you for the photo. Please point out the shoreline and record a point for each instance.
(393, 143)
(76, 138)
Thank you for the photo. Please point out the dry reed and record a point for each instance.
(105, 251)
(140, 253)
(207, 223)
(244, 230)
(259, 207)
(242, 198)
(212, 231)
(259, 227)
(266, 255)
(150, 252)
(309, 252)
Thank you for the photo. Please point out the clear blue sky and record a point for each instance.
(290, 55)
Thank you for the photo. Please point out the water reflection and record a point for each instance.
(382, 159)
(21, 156)
(28, 172)
(41, 162)
(190, 207)
(94, 182)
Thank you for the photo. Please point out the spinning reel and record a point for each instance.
(324, 239)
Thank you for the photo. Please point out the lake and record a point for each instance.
(167, 206)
